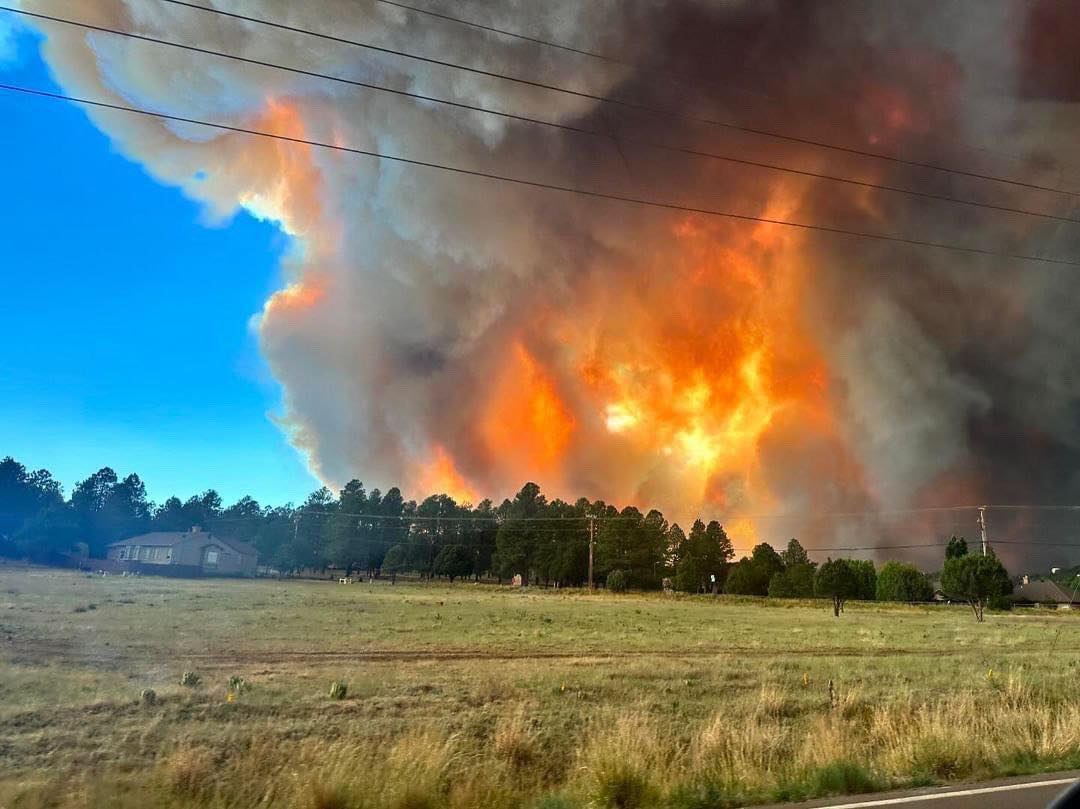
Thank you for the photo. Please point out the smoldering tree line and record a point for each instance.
(380, 533)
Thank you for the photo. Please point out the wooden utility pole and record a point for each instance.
(592, 542)
(982, 530)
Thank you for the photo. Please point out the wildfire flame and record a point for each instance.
(682, 376)
(439, 475)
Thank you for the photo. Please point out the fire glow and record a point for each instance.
(680, 375)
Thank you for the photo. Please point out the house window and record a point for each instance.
(211, 557)
(123, 553)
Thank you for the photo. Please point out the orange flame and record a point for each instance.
(526, 421)
(440, 476)
(660, 390)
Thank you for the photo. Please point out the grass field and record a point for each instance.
(476, 696)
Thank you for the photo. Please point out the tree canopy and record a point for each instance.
(956, 548)
(838, 580)
(975, 579)
(899, 581)
(702, 560)
(360, 529)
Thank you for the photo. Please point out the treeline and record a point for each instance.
(380, 533)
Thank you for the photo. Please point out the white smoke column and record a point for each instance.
(378, 246)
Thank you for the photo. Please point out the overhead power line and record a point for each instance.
(682, 79)
(619, 102)
(1036, 543)
(429, 540)
(631, 200)
(1034, 508)
(495, 518)
(698, 153)
(503, 32)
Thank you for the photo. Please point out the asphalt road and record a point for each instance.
(1029, 792)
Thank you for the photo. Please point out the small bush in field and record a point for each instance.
(238, 685)
(148, 696)
(617, 582)
(338, 690)
(622, 788)
(843, 778)
(190, 679)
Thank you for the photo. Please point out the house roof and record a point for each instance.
(158, 538)
(175, 537)
(172, 538)
(1043, 592)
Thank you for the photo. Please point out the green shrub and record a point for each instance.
(702, 795)
(1000, 603)
(842, 778)
(899, 581)
(622, 788)
(238, 685)
(618, 582)
(945, 758)
(796, 581)
(338, 690)
(190, 679)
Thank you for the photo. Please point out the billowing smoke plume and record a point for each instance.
(458, 333)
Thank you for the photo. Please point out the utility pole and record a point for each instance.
(592, 541)
(982, 530)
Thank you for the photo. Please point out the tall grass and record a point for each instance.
(771, 745)
(508, 699)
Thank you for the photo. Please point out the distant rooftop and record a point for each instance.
(169, 538)
(1044, 592)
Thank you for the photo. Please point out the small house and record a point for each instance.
(184, 553)
(1044, 592)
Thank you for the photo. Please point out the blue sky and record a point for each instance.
(126, 338)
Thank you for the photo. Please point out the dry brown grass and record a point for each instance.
(752, 750)
(918, 696)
